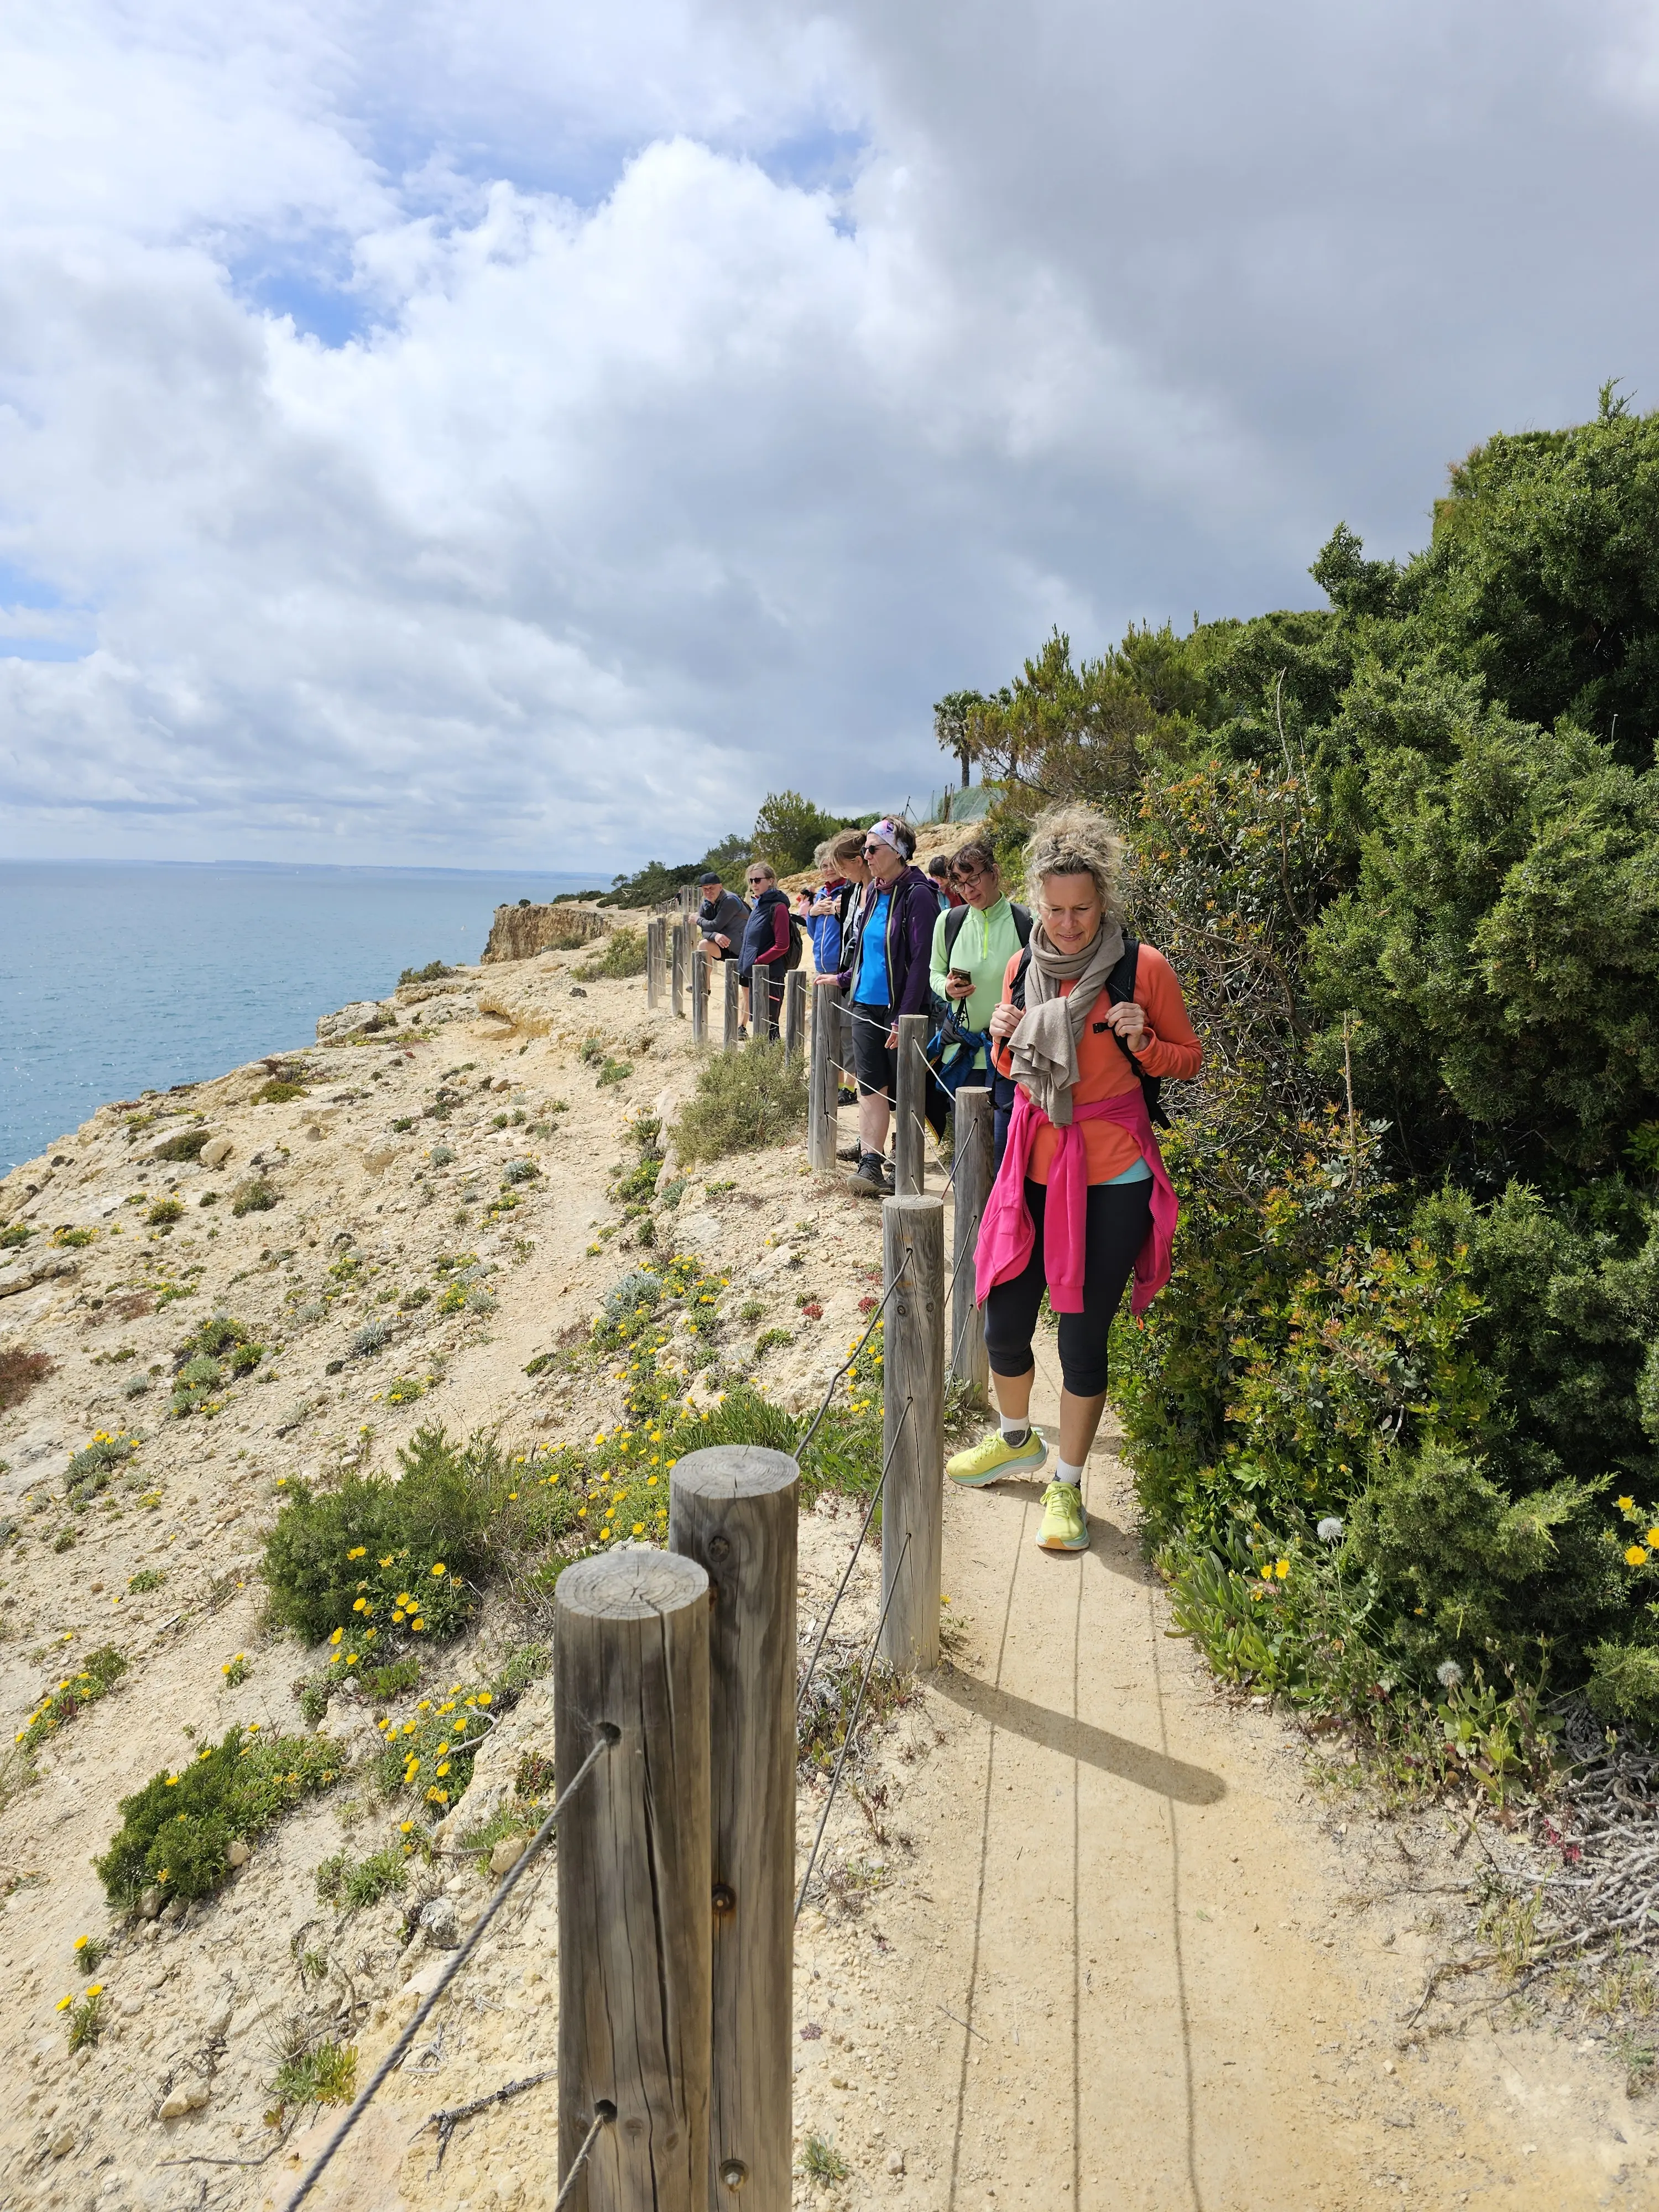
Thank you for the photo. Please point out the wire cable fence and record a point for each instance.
(394, 2057)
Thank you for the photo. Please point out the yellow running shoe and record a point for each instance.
(990, 1461)
(1064, 1524)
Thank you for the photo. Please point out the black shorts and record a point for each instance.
(1120, 1219)
(876, 1068)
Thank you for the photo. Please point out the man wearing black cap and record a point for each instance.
(721, 918)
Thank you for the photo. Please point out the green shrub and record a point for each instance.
(186, 1145)
(177, 1831)
(89, 1469)
(615, 1071)
(326, 2074)
(742, 1100)
(278, 1091)
(164, 1213)
(256, 1195)
(355, 1884)
(74, 1237)
(103, 1670)
(13, 1238)
(622, 954)
(84, 2018)
(147, 1578)
(358, 1563)
(434, 972)
(521, 1171)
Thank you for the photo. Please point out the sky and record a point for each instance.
(515, 435)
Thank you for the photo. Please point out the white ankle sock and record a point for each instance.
(1065, 1471)
(1015, 1431)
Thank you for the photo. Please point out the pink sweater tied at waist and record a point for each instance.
(1006, 1230)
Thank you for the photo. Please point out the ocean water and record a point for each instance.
(116, 977)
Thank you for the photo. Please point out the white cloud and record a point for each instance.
(723, 384)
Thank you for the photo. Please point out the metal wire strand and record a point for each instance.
(607, 1737)
(800, 1449)
(847, 1740)
(846, 1576)
(602, 2119)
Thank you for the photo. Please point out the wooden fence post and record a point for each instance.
(794, 1013)
(913, 1373)
(973, 1117)
(735, 1510)
(733, 1007)
(699, 997)
(677, 969)
(635, 1921)
(910, 1138)
(653, 962)
(825, 1079)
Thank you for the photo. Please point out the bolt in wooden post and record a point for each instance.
(677, 969)
(699, 997)
(825, 1078)
(973, 1117)
(794, 1013)
(635, 1922)
(913, 1370)
(733, 1004)
(909, 1154)
(734, 1511)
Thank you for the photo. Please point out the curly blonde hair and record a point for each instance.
(1075, 840)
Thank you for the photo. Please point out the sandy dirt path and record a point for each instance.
(1138, 1964)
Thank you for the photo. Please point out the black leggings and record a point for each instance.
(1120, 1217)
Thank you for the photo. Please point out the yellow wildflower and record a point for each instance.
(1635, 1555)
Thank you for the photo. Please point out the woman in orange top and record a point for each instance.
(1082, 1198)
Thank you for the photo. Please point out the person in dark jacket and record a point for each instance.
(722, 918)
(767, 940)
(884, 971)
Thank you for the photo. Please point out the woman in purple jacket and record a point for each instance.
(886, 976)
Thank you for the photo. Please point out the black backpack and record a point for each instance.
(1119, 987)
(958, 915)
(792, 958)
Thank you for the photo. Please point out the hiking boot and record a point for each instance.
(989, 1461)
(865, 1181)
(853, 1151)
(1064, 1524)
(846, 1097)
(888, 1185)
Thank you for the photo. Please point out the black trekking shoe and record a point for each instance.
(867, 1180)
(853, 1151)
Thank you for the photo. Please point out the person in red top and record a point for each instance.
(1082, 1200)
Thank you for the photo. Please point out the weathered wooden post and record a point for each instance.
(635, 1921)
(677, 969)
(973, 1117)
(913, 1374)
(909, 1140)
(794, 1013)
(825, 1078)
(699, 996)
(653, 962)
(735, 1511)
(734, 1021)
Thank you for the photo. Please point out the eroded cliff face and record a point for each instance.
(518, 932)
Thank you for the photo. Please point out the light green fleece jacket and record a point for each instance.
(985, 944)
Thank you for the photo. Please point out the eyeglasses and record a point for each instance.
(969, 874)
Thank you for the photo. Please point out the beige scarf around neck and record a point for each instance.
(1043, 1048)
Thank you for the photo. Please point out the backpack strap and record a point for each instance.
(953, 924)
(1119, 987)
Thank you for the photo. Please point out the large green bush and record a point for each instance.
(176, 1832)
(743, 1100)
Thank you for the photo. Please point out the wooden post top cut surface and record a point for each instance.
(915, 1202)
(721, 1471)
(631, 1585)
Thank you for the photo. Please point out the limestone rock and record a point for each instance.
(238, 1852)
(216, 1151)
(188, 2096)
(506, 1854)
(442, 1923)
(519, 932)
(149, 1904)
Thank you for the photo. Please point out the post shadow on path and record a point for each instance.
(1081, 1739)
